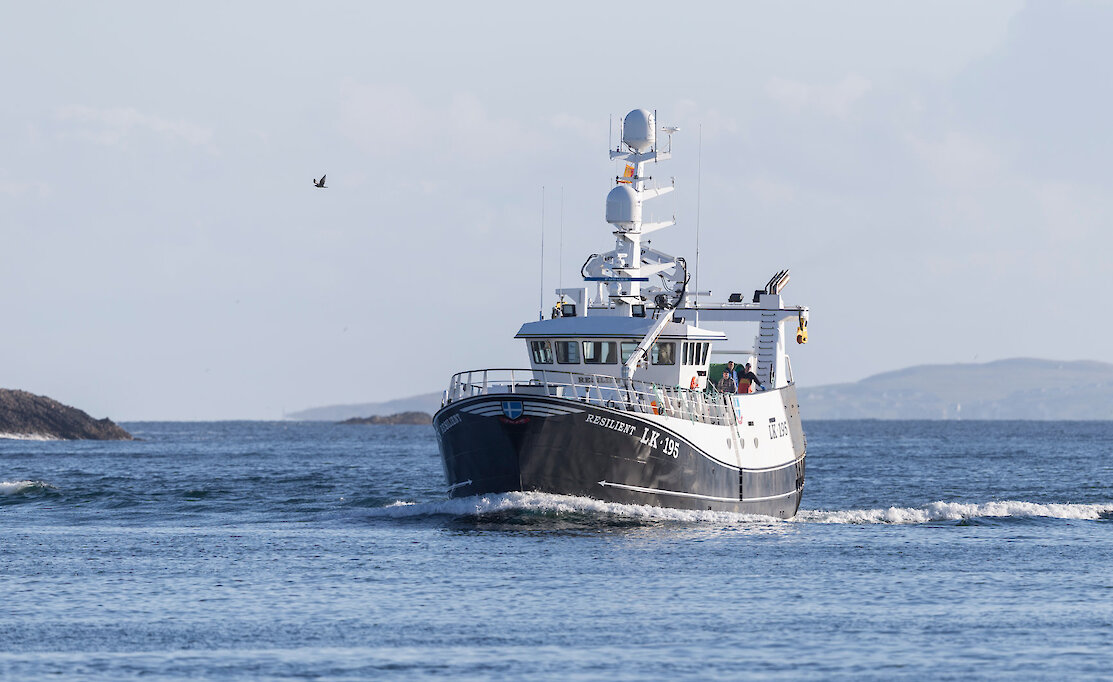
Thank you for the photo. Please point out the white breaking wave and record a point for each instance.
(13, 487)
(27, 436)
(957, 511)
(547, 504)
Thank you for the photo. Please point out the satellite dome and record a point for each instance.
(623, 207)
(638, 130)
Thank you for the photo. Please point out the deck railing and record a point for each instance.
(709, 407)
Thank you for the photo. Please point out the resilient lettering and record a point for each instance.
(449, 423)
(649, 437)
(608, 423)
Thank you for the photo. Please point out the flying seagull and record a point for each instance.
(319, 183)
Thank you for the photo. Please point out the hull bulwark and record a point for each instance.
(505, 443)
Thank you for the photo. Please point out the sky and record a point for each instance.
(936, 176)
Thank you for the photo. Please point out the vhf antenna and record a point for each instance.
(699, 183)
(541, 298)
(560, 248)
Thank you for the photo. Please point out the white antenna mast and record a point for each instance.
(541, 302)
(699, 179)
(560, 248)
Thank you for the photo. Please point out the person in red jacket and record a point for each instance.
(746, 378)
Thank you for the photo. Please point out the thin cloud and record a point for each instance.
(11, 188)
(836, 100)
(112, 126)
(959, 160)
(1073, 212)
(391, 119)
(714, 122)
(577, 125)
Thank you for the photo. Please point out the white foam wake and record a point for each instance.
(563, 505)
(957, 511)
(13, 487)
(26, 436)
(554, 505)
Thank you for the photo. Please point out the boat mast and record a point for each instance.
(621, 273)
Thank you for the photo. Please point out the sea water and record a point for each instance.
(922, 550)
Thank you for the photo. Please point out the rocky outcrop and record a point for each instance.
(410, 418)
(26, 415)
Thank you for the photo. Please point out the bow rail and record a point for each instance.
(709, 407)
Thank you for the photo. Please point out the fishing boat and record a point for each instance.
(617, 402)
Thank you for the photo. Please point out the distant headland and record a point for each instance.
(36, 417)
(1018, 388)
(427, 402)
(405, 418)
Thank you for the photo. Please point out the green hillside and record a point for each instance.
(1020, 388)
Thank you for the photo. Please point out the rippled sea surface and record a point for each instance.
(941, 550)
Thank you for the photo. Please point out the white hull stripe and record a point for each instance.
(774, 467)
(657, 491)
(532, 409)
(483, 410)
(538, 412)
(771, 497)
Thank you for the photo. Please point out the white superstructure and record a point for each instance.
(617, 402)
(634, 280)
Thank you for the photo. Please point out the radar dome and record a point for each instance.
(623, 207)
(638, 130)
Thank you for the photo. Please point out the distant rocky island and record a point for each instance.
(26, 415)
(426, 402)
(407, 418)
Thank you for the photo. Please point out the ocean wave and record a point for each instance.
(16, 487)
(958, 511)
(26, 436)
(543, 504)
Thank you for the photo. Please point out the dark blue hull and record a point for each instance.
(505, 443)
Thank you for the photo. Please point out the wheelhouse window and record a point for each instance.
(600, 352)
(663, 353)
(542, 352)
(694, 353)
(567, 352)
(628, 348)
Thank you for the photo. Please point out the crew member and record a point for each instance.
(728, 383)
(746, 378)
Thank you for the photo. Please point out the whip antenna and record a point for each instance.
(560, 248)
(699, 178)
(541, 298)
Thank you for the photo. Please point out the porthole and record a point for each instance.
(755, 442)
